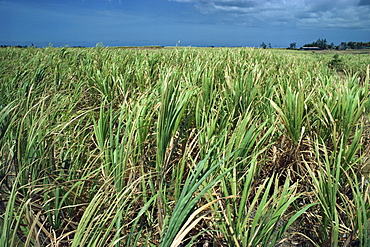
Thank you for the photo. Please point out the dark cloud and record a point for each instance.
(364, 2)
(237, 4)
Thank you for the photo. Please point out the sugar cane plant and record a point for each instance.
(183, 146)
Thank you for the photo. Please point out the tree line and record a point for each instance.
(323, 44)
(17, 46)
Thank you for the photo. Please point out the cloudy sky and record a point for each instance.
(192, 22)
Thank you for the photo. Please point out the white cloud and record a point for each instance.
(318, 14)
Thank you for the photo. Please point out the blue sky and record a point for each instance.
(192, 22)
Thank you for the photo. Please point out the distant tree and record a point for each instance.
(293, 45)
(263, 45)
(343, 46)
(320, 43)
(354, 45)
(270, 45)
(362, 45)
(359, 45)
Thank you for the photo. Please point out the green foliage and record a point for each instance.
(187, 201)
(336, 63)
(148, 147)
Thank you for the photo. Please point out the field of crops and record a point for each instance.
(183, 146)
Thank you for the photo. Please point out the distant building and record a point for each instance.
(305, 48)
